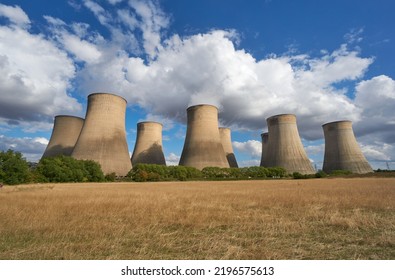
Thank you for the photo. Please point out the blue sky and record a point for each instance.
(320, 60)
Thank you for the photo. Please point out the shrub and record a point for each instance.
(13, 168)
(67, 169)
(297, 175)
(154, 172)
(340, 172)
(320, 174)
(111, 177)
(276, 172)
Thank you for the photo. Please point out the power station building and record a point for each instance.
(342, 151)
(265, 139)
(202, 146)
(284, 147)
(65, 132)
(148, 148)
(103, 136)
(226, 141)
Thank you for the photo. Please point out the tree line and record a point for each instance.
(14, 169)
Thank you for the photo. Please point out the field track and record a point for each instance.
(271, 219)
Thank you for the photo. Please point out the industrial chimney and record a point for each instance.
(226, 141)
(65, 132)
(265, 139)
(148, 147)
(103, 136)
(203, 147)
(342, 151)
(284, 148)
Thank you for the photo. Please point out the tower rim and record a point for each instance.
(281, 115)
(147, 122)
(68, 116)
(335, 122)
(107, 93)
(201, 105)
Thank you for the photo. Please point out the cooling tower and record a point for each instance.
(342, 151)
(203, 145)
(226, 141)
(265, 139)
(65, 132)
(103, 136)
(148, 147)
(284, 148)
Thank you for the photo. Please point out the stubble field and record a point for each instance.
(271, 219)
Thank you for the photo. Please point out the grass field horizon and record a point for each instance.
(338, 218)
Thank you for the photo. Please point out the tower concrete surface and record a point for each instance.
(148, 147)
(265, 139)
(103, 136)
(226, 141)
(65, 132)
(342, 151)
(203, 147)
(284, 148)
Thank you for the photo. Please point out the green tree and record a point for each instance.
(13, 168)
(68, 169)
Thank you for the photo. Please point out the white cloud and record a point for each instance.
(31, 148)
(207, 68)
(114, 2)
(152, 21)
(251, 147)
(376, 100)
(15, 15)
(172, 159)
(102, 15)
(378, 151)
(354, 36)
(54, 21)
(251, 162)
(35, 76)
(315, 149)
(83, 50)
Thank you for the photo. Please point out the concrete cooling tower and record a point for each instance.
(226, 141)
(103, 136)
(284, 148)
(203, 147)
(342, 151)
(148, 147)
(265, 139)
(65, 132)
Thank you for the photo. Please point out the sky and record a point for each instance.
(323, 61)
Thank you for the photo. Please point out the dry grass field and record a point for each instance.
(271, 219)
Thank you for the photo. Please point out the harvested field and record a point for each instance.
(271, 219)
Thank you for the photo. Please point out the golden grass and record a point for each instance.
(272, 219)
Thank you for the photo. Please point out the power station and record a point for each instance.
(203, 147)
(148, 147)
(226, 141)
(265, 139)
(342, 151)
(284, 148)
(103, 136)
(65, 132)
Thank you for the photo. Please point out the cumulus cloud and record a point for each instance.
(32, 148)
(376, 100)
(35, 76)
(250, 147)
(172, 159)
(207, 68)
(15, 15)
